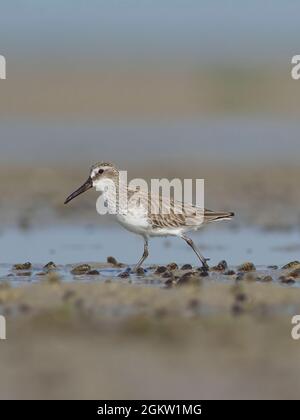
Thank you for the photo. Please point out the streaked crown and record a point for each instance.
(103, 170)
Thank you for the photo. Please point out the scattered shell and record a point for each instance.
(221, 266)
(25, 266)
(247, 266)
(292, 264)
(81, 269)
(172, 266)
(186, 267)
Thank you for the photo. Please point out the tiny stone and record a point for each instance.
(267, 279)
(221, 266)
(295, 273)
(41, 273)
(273, 267)
(286, 280)
(172, 266)
(81, 269)
(247, 266)
(140, 271)
(50, 266)
(186, 267)
(112, 260)
(161, 269)
(292, 264)
(25, 266)
(124, 274)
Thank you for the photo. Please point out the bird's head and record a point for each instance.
(100, 175)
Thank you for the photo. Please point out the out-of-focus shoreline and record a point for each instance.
(267, 195)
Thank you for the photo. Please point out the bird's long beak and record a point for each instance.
(86, 186)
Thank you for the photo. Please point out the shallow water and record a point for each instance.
(75, 244)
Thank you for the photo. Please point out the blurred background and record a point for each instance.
(161, 88)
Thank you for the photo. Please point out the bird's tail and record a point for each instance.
(213, 216)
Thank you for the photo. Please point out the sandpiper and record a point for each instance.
(140, 220)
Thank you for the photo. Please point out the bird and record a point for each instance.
(174, 218)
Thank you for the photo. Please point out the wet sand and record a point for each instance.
(114, 339)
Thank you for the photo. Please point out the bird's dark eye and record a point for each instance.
(100, 171)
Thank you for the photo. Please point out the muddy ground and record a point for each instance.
(185, 336)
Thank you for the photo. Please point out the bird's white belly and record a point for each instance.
(134, 222)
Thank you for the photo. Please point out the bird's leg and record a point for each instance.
(197, 252)
(144, 256)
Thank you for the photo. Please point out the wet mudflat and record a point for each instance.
(91, 331)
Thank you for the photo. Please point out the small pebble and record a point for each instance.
(124, 274)
(292, 264)
(287, 280)
(50, 266)
(161, 269)
(266, 279)
(221, 266)
(81, 269)
(172, 266)
(295, 273)
(273, 267)
(25, 266)
(186, 267)
(247, 266)
(112, 260)
(140, 271)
